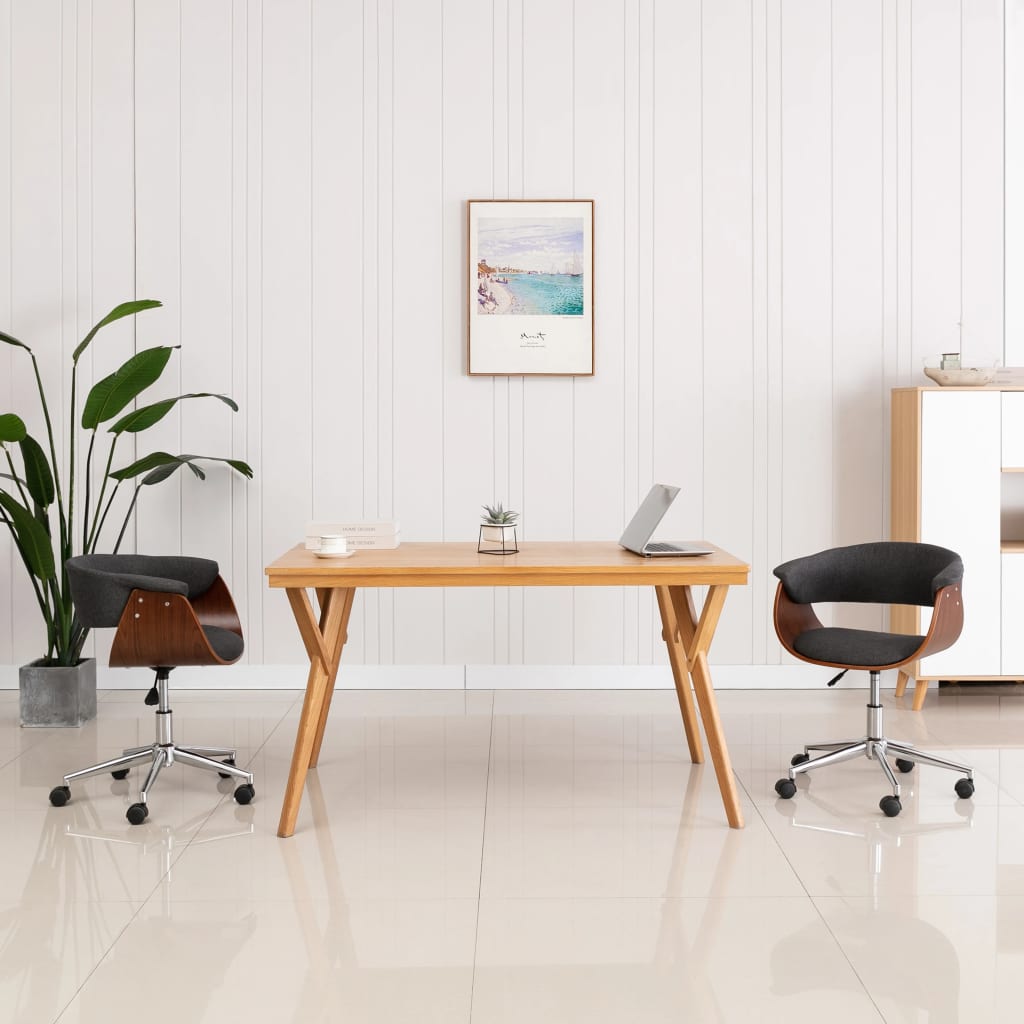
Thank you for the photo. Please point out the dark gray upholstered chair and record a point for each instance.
(169, 611)
(881, 573)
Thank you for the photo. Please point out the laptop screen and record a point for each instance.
(651, 512)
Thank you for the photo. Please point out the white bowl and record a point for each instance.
(334, 554)
(966, 377)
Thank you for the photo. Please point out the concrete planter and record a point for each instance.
(56, 697)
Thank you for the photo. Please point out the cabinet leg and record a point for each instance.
(920, 692)
(901, 683)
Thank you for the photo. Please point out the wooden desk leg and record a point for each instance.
(700, 672)
(674, 640)
(323, 646)
(347, 596)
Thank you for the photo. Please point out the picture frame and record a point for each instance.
(530, 287)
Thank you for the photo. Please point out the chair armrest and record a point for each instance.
(158, 629)
(791, 619)
(215, 607)
(947, 622)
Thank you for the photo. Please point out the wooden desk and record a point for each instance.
(539, 564)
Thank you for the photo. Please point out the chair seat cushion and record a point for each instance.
(226, 644)
(858, 648)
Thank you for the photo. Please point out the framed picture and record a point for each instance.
(531, 287)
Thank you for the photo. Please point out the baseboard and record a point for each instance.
(472, 677)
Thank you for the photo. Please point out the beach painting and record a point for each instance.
(531, 287)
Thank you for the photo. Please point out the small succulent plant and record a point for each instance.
(495, 515)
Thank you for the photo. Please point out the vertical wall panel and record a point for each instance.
(902, 40)
(9, 565)
(547, 436)
(206, 274)
(773, 383)
(468, 426)
(103, 223)
(158, 270)
(338, 392)
(597, 401)
(112, 187)
(859, 447)
(509, 605)
(760, 579)
(677, 272)
(262, 605)
(286, 442)
(647, 621)
(366, 613)
(860, 438)
(1013, 213)
(727, 302)
(936, 179)
(35, 233)
(890, 254)
(383, 497)
(244, 575)
(418, 337)
(982, 155)
(806, 229)
(633, 640)
(506, 392)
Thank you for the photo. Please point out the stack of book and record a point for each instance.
(373, 534)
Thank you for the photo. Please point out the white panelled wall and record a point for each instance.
(795, 201)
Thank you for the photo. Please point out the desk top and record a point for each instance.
(537, 564)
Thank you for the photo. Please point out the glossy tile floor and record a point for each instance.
(526, 857)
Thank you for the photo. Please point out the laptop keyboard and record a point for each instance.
(661, 546)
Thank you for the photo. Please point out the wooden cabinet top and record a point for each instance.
(986, 387)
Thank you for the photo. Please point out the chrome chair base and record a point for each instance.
(159, 755)
(875, 746)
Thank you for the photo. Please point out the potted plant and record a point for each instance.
(52, 513)
(498, 531)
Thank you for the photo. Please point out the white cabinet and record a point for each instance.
(1012, 647)
(955, 452)
(1012, 441)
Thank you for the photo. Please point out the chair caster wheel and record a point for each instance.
(121, 773)
(890, 806)
(137, 814)
(799, 759)
(245, 793)
(786, 788)
(227, 760)
(904, 766)
(964, 789)
(60, 795)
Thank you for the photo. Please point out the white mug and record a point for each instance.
(333, 544)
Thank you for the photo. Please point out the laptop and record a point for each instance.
(637, 535)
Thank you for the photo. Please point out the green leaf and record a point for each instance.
(13, 341)
(38, 477)
(12, 428)
(240, 467)
(32, 539)
(147, 462)
(144, 418)
(125, 309)
(110, 395)
(160, 465)
(160, 474)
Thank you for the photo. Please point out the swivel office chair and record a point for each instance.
(169, 611)
(880, 573)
